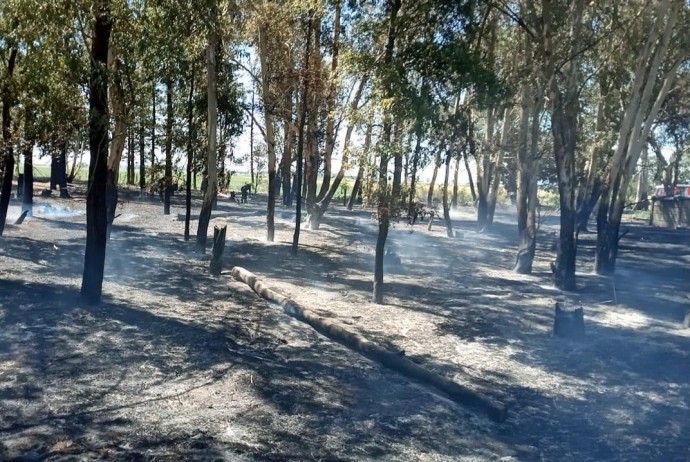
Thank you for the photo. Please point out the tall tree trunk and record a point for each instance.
(456, 174)
(117, 145)
(142, 160)
(286, 161)
(190, 154)
(432, 184)
(300, 138)
(321, 207)
(167, 182)
(330, 106)
(564, 127)
(646, 99)
(61, 175)
(360, 172)
(153, 134)
(384, 199)
(251, 142)
(446, 208)
(28, 193)
(212, 124)
(642, 201)
(96, 218)
(270, 133)
(498, 166)
(473, 192)
(484, 171)
(130, 157)
(8, 151)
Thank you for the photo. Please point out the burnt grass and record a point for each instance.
(178, 365)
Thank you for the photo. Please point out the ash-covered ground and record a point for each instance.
(178, 365)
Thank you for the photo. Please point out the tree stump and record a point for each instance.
(569, 324)
(218, 246)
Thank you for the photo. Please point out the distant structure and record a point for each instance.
(671, 207)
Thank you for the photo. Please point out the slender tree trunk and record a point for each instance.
(153, 135)
(286, 161)
(384, 199)
(142, 157)
(330, 106)
(497, 167)
(28, 193)
(469, 177)
(446, 208)
(62, 172)
(432, 184)
(190, 155)
(300, 139)
(456, 174)
(251, 142)
(117, 145)
(130, 157)
(321, 207)
(360, 172)
(8, 152)
(270, 134)
(167, 183)
(212, 124)
(96, 218)
(53, 170)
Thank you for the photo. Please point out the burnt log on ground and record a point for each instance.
(218, 247)
(394, 360)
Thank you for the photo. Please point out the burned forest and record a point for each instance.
(291, 231)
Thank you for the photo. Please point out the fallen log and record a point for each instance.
(394, 360)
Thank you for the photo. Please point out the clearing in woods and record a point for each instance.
(178, 365)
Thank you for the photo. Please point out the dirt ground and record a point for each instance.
(178, 365)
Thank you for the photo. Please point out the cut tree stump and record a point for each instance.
(218, 246)
(394, 360)
(569, 324)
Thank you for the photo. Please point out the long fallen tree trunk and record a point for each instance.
(394, 360)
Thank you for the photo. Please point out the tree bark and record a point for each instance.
(8, 151)
(446, 208)
(216, 264)
(28, 193)
(167, 182)
(331, 106)
(190, 155)
(96, 218)
(384, 204)
(142, 158)
(269, 133)
(212, 124)
(321, 207)
(117, 145)
(456, 174)
(300, 139)
(432, 184)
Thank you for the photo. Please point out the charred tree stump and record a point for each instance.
(394, 360)
(218, 247)
(569, 324)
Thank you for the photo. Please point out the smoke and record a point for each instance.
(50, 211)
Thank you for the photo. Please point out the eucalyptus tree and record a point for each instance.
(661, 52)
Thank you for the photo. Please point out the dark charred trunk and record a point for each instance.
(111, 199)
(96, 218)
(53, 171)
(130, 158)
(8, 151)
(356, 188)
(153, 134)
(28, 190)
(216, 265)
(415, 164)
(61, 173)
